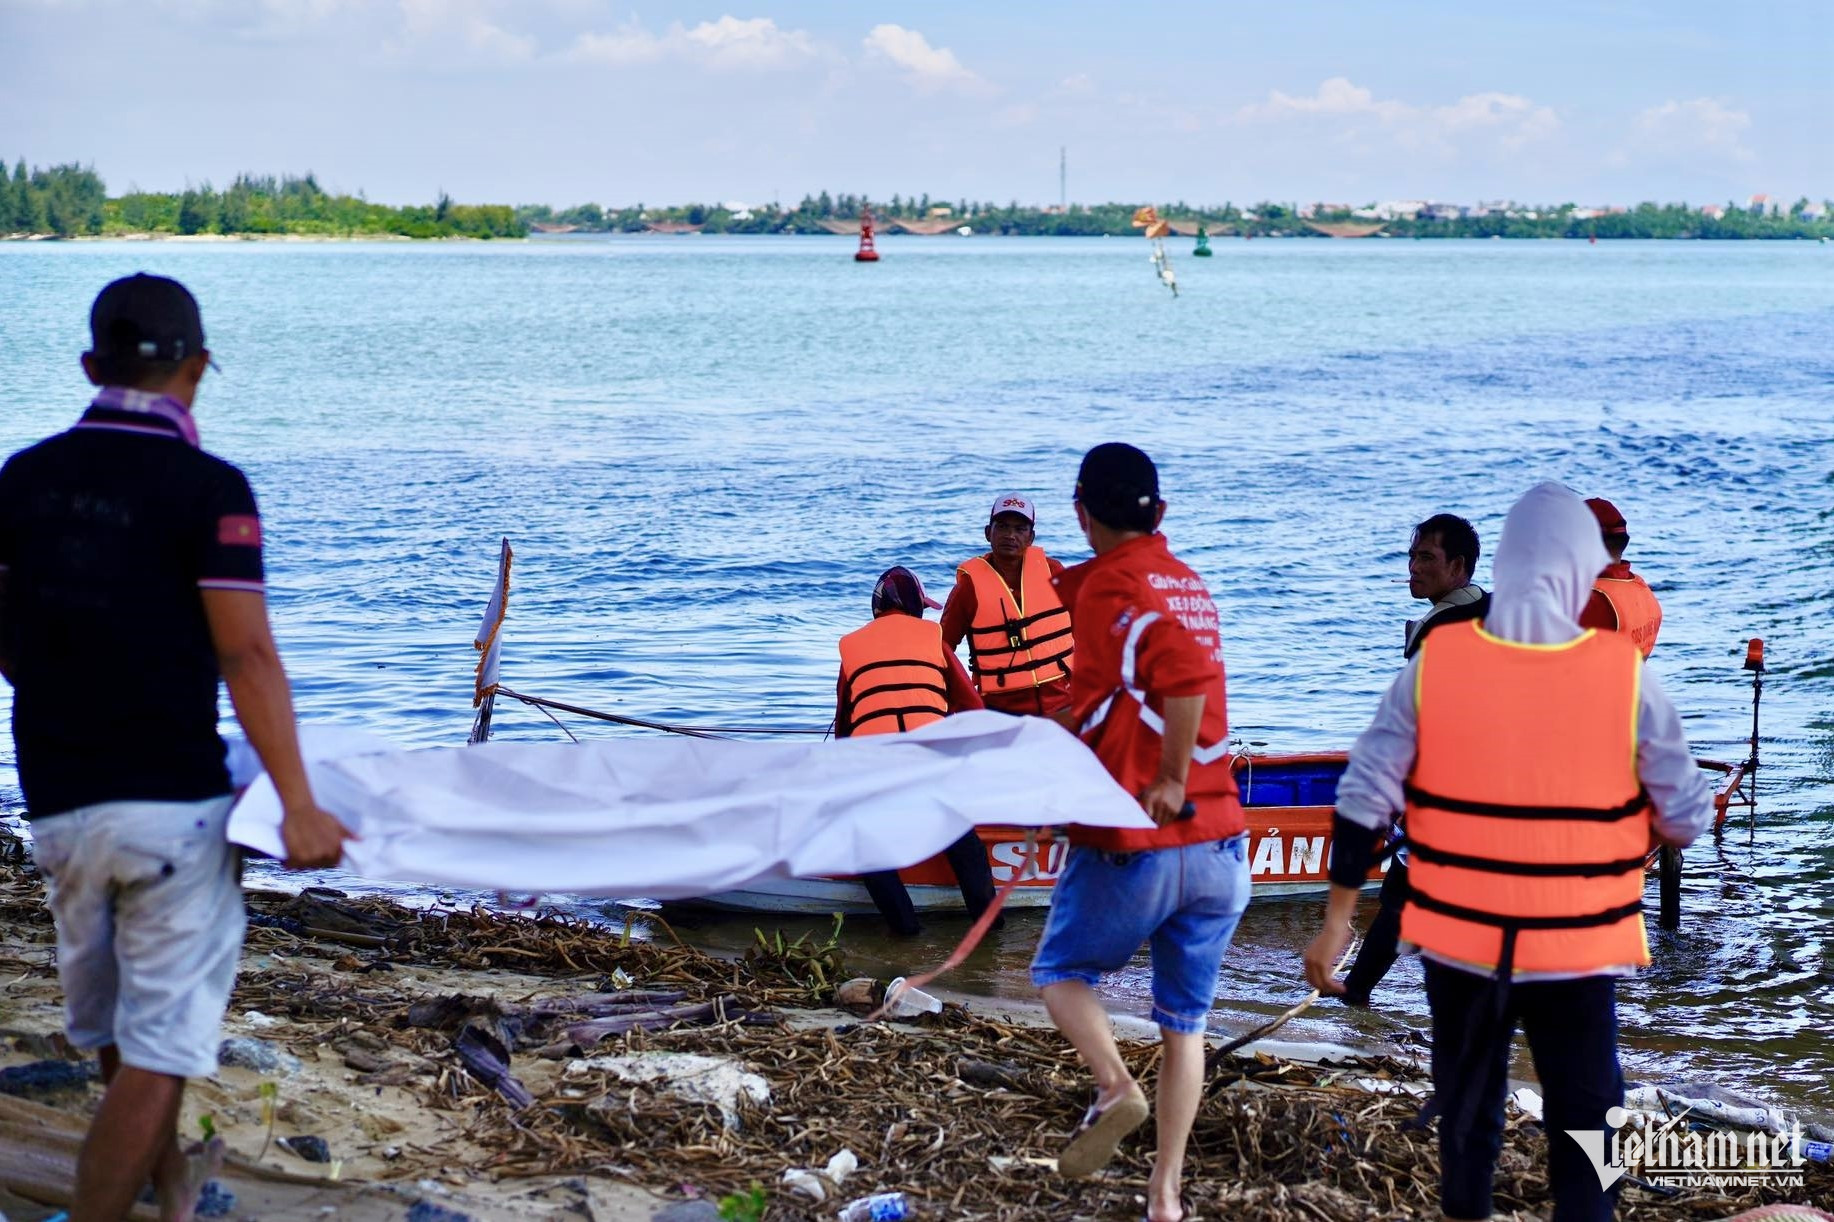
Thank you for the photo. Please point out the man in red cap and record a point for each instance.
(896, 675)
(1621, 601)
(1016, 625)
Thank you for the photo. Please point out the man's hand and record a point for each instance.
(1322, 955)
(1163, 800)
(1326, 950)
(313, 838)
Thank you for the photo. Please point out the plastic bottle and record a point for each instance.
(879, 1207)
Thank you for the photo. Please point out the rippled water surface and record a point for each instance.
(705, 449)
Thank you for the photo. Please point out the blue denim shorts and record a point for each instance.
(1185, 901)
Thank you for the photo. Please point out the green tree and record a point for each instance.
(197, 210)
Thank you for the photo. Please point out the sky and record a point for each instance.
(572, 101)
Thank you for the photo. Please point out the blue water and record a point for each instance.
(704, 450)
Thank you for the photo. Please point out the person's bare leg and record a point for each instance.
(132, 1139)
(1180, 1090)
(1078, 1013)
(177, 1177)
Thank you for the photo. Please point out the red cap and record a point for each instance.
(1610, 521)
(899, 590)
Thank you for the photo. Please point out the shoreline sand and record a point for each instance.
(366, 1015)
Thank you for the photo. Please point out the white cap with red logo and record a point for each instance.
(1012, 502)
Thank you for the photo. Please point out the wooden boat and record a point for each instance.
(1288, 800)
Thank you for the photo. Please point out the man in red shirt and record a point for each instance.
(1017, 628)
(1147, 696)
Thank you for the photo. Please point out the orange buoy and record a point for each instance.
(866, 253)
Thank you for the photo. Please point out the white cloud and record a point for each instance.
(1701, 125)
(728, 43)
(630, 45)
(756, 43)
(470, 22)
(1508, 119)
(923, 65)
(1337, 96)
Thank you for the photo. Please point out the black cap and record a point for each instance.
(1119, 485)
(148, 318)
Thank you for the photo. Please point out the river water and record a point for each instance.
(704, 450)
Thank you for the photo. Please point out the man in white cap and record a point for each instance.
(1016, 626)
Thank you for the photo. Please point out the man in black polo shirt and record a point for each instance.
(130, 581)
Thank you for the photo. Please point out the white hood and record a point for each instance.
(1545, 563)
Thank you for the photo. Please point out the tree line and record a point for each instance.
(69, 201)
(1266, 219)
(72, 200)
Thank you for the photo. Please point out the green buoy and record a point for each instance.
(1203, 244)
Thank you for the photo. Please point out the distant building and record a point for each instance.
(1586, 214)
(1441, 212)
(1814, 212)
(1713, 212)
(1400, 209)
(1763, 205)
(942, 210)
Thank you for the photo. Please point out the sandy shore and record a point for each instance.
(361, 1024)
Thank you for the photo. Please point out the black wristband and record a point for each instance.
(1353, 851)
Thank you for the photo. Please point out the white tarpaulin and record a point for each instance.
(669, 818)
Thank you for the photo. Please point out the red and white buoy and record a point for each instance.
(866, 253)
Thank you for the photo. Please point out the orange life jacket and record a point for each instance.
(1639, 615)
(1527, 825)
(895, 675)
(1013, 647)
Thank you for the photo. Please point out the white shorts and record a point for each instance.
(148, 902)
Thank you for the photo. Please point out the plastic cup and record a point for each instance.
(908, 1002)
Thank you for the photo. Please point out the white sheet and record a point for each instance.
(672, 817)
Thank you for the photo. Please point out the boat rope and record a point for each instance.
(1037, 842)
(1274, 1024)
(543, 704)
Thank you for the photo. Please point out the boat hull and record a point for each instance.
(1288, 802)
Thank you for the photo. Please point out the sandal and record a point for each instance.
(1100, 1134)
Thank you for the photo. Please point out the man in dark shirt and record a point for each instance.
(1441, 558)
(1441, 561)
(130, 582)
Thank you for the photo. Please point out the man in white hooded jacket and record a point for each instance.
(1536, 762)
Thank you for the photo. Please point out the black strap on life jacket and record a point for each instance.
(903, 711)
(1587, 920)
(1012, 639)
(1504, 810)
(939, 689)
(1532, 869)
